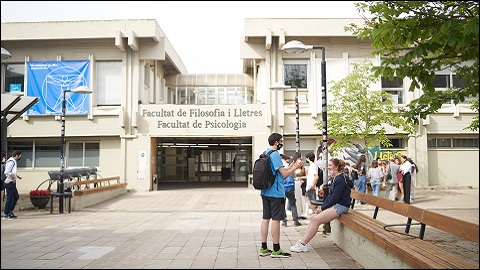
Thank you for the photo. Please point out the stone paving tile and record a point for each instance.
(187, 229)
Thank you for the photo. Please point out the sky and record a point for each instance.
(190, 26)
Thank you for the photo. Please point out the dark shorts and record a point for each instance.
(273, 208)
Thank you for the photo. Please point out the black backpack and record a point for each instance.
(4, 177)
(263, 177)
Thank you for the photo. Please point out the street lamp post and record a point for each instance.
(297, 119)
(279, 86)
(79, 90)
(297, 47)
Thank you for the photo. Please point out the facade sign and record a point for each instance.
(48, 80)
(203, 119)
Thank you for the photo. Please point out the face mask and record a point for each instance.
(279, 146)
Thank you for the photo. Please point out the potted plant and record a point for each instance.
(40, 198)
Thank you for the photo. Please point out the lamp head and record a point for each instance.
(82, 90)
(295, 47)
(5, 54)
(279, 87)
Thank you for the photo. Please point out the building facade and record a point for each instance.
(150, 122)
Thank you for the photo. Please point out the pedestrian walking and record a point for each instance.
(11, 185)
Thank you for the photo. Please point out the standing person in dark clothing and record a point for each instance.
(11, 184)
(2, 191)
(406, 178)
(335, 204)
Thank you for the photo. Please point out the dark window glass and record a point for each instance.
(14, 77)
(296, 75)
(395, 83)
(441, 81)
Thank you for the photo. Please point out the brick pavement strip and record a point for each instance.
(189, 228)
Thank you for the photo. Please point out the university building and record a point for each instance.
(151, 122)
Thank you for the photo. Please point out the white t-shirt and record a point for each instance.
(312, 170)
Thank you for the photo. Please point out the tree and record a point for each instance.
(419, 38)
(358, 113)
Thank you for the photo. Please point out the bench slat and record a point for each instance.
(99, 189)
(447, 224)
(413, 251)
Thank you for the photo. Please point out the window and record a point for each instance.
(109, 83)
(295, 75)
(444, 82)
(27, 153)
(395, 88)
(46, 154)
(200, 95)
(447, 142)
(14, 78)
(396, 143)
(83, 154)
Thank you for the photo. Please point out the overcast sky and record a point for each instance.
(191, 26)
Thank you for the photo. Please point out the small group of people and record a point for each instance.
(336, 203)
(9, 186)
(398, 176)
(300, 187)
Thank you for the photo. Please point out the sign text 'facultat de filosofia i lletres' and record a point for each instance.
(198, 118)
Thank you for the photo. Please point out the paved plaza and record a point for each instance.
(200, 227)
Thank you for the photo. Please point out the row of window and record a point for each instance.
(46, 154)
(109, 85)
(450, 142)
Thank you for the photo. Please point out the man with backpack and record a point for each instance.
(273, 199)
(11, 184)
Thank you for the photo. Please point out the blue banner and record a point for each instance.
(48, 81)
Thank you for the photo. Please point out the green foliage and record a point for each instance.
(474, 125)
(359, 113)
(418, 38)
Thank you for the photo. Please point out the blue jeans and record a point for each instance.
(12, 197)
(376, 187)
(293, 205)
(361, 185)
(340, 209)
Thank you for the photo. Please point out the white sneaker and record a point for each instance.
(298, 247)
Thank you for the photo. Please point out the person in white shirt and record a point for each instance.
(406, 178)
(312, 178)
(375, 174)
(413, 173)
(11, 184)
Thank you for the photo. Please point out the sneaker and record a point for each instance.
(296, 224)
(280, 254)
(265, 252)
(7, 217)
(284, 224)
(11, 215)
(299, 247)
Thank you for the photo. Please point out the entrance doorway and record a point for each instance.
(197, 160)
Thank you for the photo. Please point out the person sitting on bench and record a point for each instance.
(335, 204)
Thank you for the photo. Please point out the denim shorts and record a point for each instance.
(341, 209)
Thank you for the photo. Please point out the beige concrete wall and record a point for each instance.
(362, 250)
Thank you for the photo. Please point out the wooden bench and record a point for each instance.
(401, 247)
(89, 192)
